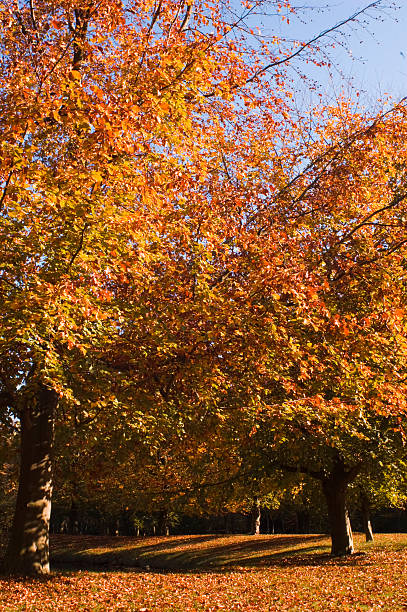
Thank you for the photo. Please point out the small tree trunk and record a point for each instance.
(367, 525)
(334, 488)
(163, 523)
(28, 549)
(303, 521)
(256, 517)
(73, 520)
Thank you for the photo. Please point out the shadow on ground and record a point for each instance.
(188, 552)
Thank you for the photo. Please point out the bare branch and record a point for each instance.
(302, 47)
(311, 42)
(154, 18)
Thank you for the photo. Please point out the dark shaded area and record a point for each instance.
(86, 519)
(181, 552)
(189, 555)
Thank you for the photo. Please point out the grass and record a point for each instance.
(181, 552)
(188, 573)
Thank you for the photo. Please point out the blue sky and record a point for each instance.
(372, 56)
(368, 54)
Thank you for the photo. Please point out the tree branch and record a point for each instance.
(311, 42)
(80, 245)
(186, 19)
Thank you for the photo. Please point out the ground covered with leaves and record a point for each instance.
(292, 572)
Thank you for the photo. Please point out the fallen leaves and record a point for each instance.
(375, 580)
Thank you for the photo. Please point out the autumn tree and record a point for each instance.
(121, 126)
(335, 406)
(100, 106)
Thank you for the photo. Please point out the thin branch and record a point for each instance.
(154, 18)
(395, 202)
(32, 13)
(366, 262)
(4, 194)
(180, 74)
(174, 20)
(5, 280)
(79, 247)
(81, 26)
(241, 473)
(311, 42)
(327, 158)
(304, 46)
(300, 469)
(226, 167)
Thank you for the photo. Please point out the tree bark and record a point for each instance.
(365, 509)
(163, 526)
(73, 520)
(270, 523)
(334, 487)
(28, 549)
(228, 523)
(255, 517)
(303, 521)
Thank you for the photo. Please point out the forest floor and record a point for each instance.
(213, 572)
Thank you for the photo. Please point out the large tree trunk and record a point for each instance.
(255, 517)
(334, 488)
(28, 549)
(365, 509)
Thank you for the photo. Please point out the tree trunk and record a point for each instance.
(367, 525)
(303, 521)
(28, 549)
(163, 526)
(334, 488)
(255, 516)
(73, 520)
(271, 526)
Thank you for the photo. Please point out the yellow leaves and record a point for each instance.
(370, 581)
(75, 75)
(153, 251)
(97, 177)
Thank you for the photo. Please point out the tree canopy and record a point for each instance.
(185, 256)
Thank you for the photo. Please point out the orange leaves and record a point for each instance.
(257, 577)
(214, 253)
(74, 75)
